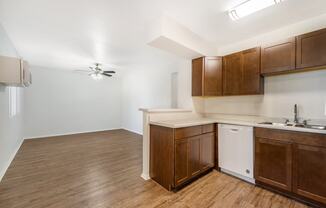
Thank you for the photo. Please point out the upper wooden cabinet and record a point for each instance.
(278, 57)
(311, 49)
(232, 74)
(241, 73)
(14, 71)
(207, 76)
(252, 82)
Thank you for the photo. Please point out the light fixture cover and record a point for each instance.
(97, 76)
(249, 7)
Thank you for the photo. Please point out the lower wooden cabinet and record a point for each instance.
(274, 162)
(181, 161)
(293, 162)
(194, 160)
(309, 172)
(179, 155)
(207, 153)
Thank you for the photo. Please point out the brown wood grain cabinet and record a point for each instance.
(273, 160)
(179, 155)
(207, 160)
(194, 159)
(278, 57)
(241, 73)
(181, 161)
(207, 76)
(311, 49)
(309, 172)
(252, 81)
(232, 73)
(293, 162)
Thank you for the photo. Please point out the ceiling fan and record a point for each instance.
(97, 72)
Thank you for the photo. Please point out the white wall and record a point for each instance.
(11, 129)
(63, 102)
(144, 87)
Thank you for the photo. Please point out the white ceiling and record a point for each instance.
(75, 33)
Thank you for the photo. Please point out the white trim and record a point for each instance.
(146, 177)
(11, 158)
(72, 133)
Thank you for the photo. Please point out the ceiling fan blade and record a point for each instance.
(107, 75)
(109, 72)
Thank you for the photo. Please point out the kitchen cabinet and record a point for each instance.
(14, 72)
(194, 155)
(278, 57)
(181, 161)
(207, 76)
(241, 73)
(292, 162)
(179, 155)
(311, 49)
(207, 141)
(232, 74)
(274, 162)
(252, 81)
(309, 172)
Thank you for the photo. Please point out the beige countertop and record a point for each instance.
(180, 123)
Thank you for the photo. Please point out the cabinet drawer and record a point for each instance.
(208, 128)
(188, 132)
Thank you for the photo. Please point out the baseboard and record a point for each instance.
(11, 158)
(136, 132)
(71, 133)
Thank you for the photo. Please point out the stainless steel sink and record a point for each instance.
(318, 127)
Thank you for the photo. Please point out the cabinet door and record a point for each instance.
(194, 156)
(273, 163)
(207, 143)
(197, 77)
(213, 76)
(311, 49)
(232, 74)
(181, 161)
(309, 172)
(278, 57)
(252, 82)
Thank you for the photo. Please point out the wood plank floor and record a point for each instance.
(103, 169)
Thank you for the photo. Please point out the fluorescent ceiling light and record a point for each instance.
(249, 7)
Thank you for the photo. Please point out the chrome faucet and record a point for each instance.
(296, 119)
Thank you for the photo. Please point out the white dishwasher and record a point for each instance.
(235, 151)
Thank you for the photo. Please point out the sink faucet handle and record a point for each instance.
(286, 120)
